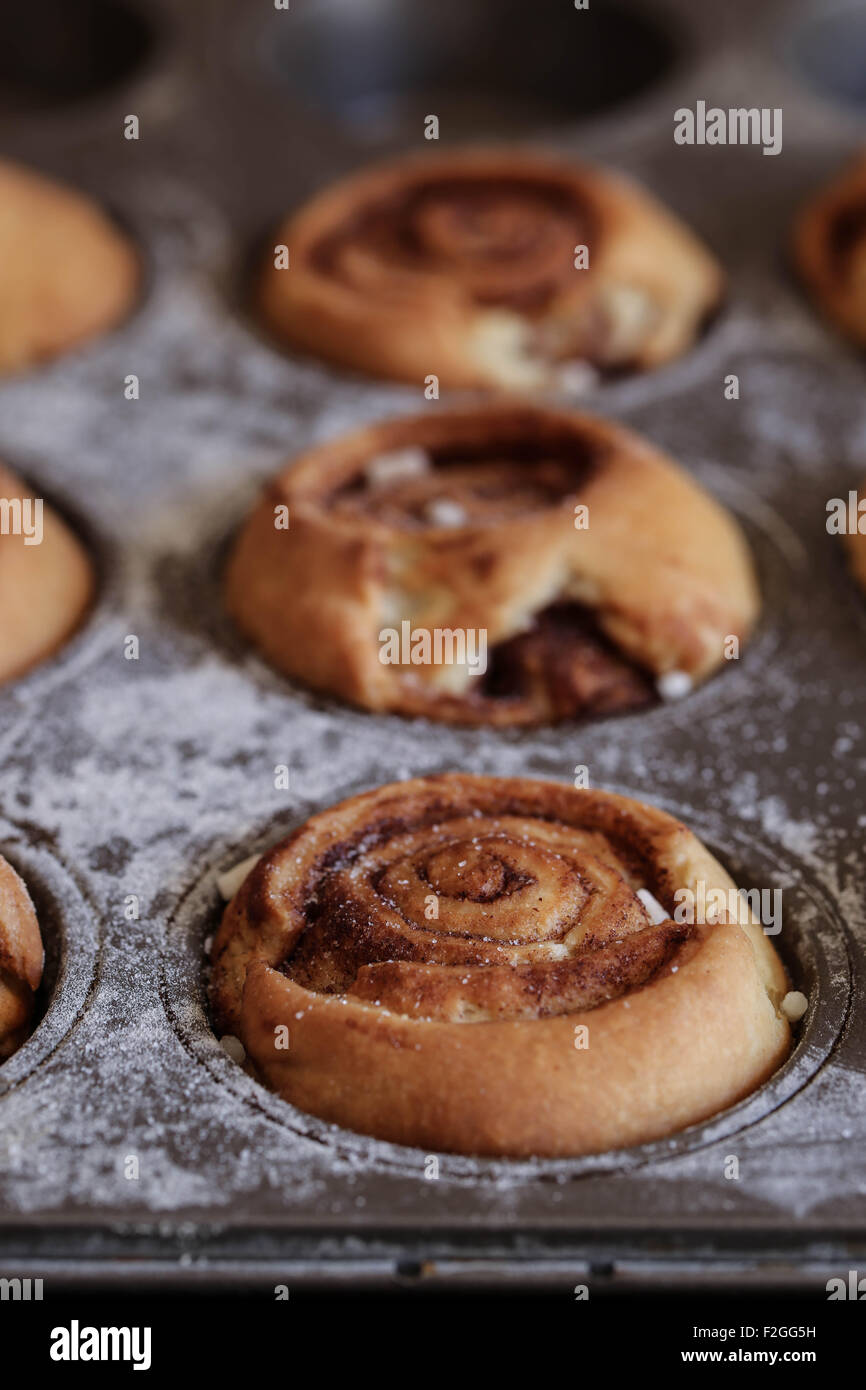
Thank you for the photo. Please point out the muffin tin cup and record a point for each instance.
(70, 935)
(812, 943)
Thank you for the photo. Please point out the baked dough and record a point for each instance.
(463, 266)
(465, 522)
(45, 589)
(66, 272)
(419, 963)
(830, 250)
(21, 960)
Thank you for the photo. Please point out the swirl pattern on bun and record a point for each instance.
(470, 266)
(468, 964)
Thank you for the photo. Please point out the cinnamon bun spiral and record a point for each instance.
(21, 960)
(585, 562)
(487, 268)
(467, 964)
(830, 250)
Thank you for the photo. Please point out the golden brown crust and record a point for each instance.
(21, 959)
(66, 272)
(419, 962)
(45, 589)
(659, 577)
(829, 247)
(463, 266)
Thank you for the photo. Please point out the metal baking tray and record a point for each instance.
(143, 778)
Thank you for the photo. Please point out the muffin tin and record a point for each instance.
(143, 779)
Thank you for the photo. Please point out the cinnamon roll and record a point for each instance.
(66, 272)
(21, 960)
(492, 966)
(46, 579)
(830, 250)
(587, 566)
(488, 268)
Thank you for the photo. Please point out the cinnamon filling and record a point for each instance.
(565, 668)
(523, 991)
(488, 479)
(490, 490)
(508, 241)
(533, 918)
